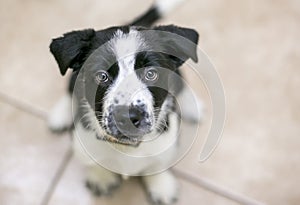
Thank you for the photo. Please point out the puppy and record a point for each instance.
(125, 90)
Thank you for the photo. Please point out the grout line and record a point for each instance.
(59, 173)
(24, 106)
(217, 189)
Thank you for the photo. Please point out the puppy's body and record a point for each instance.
(125, 97)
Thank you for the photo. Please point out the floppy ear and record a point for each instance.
(70, 50)
(183, 48)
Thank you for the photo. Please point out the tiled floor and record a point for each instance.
(255, 47)
(29, 159)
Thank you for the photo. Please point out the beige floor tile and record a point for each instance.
(29, 158)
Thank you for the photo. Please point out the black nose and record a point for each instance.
(136, 115)
(125, 117)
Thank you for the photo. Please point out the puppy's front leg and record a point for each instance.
(102, 181)
(192, 113)
(60, 117)
(162, 188)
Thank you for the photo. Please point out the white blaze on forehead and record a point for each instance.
(126, 44)
(125, 47)
(128, 88)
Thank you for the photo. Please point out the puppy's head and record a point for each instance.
(126, 72)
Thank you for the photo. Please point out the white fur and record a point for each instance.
(164, 110)
(126, 44)
(90, 117)
(165, 6)
(162, 187)
(60, 117)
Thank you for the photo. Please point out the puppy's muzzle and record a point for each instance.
(131, 121)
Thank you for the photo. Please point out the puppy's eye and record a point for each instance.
(151, 74)
(101, 77)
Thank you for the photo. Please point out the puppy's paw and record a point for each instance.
(162, 188)
(102, 182)
(60, 117)
(191, 107)
(193, 115)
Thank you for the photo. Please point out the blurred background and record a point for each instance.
(255, 48)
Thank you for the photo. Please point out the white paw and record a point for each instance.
(195, 114)
(162, 188)
(101, 181)
(60, 117)
(191, 107)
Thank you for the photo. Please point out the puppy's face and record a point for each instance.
(126, 81)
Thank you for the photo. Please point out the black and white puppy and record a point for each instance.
(125, 97)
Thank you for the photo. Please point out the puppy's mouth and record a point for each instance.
(125, 137)
(130, 141)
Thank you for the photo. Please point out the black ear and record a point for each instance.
(70, 50)
(185, 49)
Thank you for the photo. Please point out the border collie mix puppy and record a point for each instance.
(124, 97)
